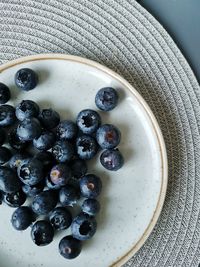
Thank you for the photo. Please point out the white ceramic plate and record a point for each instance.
(132, 197)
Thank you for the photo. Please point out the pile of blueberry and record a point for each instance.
(54, 175)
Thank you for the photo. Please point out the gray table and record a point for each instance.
(181, 18)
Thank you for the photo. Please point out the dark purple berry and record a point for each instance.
(42, 233)
(83, 226)
(90, 186)
(112, 159)
(7, 115)
(31, 172)
(4, 93)
(15, 199)
(86, 147)
(60, 218)
(44, 202)
(60, 174)
(88, 121)
(15, 142)
(29, 129)
(22, 218)
(106, 98)
(70, 247)
(26, 79)
(9, 182)
(63, 151)
(69, 195)
(108, 136)
(91, 206)
(26, 110)
(45, 141)
(49, 118)
(66, 130)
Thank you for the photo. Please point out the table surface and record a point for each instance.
(181, 18)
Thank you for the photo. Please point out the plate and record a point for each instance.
(132, 197)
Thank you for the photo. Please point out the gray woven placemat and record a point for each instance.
(123, 36)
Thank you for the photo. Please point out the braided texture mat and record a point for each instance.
(123, 36)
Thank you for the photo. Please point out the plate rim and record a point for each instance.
(156, 129)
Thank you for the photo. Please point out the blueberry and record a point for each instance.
(79, 168)
(15, 199)
(2, 137)
(108, 136)
(15, 142)
(18, 159)
(27, 109)
(7, 115)
(90, 186)
(26, 79)
(63, 151)
(5, 155)
(106, 98)
(91, 206)
(22, 218)
(60, 174)
(112, 159)
(49, 118)
(29, 129)
(88, 121)
(33, 190)
(51, 185)
(86, 147)
(83, 226)
(9, 182)
(45, 141)
(60, 218)
(69, 195)
(42, 233)
(44, 202)
(70, 247)
(47, 160)
(4, 93)
(31, 172)
(66, 130)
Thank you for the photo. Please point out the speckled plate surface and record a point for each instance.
(132, 197)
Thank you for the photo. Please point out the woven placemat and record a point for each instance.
(123, 36)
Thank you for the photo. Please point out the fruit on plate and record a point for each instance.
(112, 159)
(15, 199)
(42, 233)
(60, 218)
(4, 93)
(70, 247)
(91, 206)
(90, 186)
(83, 226)
(106, 98)
(44, 202)
(108, 136)
(54, 179)
(86, 147)
(22, 218)
(26, 79)
(69, 195)
(7, 115)
(27, 109)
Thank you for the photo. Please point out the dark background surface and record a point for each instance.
(181, 18)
